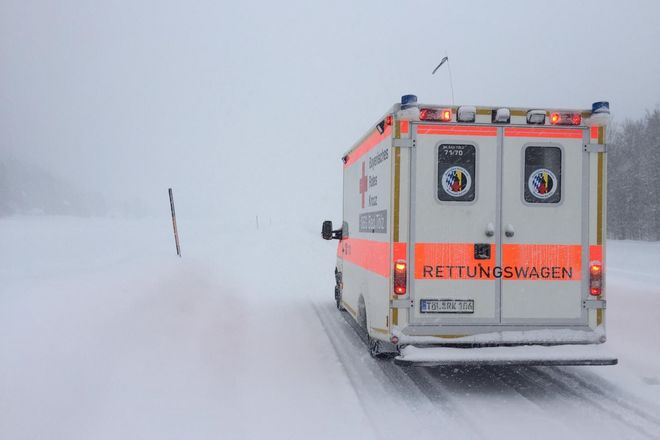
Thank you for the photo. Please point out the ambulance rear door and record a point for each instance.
(453, 229)
(544, 221)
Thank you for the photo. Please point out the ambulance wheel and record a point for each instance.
(362, 315)
(376, 349)
(382, 350)
(340, 307)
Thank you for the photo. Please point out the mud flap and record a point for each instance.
(526, 355)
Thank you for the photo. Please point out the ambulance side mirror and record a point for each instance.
(327, 233)
(326, 230)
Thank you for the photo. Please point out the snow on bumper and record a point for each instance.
(546, 336)
(514, 355)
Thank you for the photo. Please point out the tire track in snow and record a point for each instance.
(544, 387)
(606, 390)
(641, 421)
(388, 391)
(551, 390)
(532, 382)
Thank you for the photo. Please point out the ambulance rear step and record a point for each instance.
(521, 355)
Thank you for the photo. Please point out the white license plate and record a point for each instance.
(446, 305)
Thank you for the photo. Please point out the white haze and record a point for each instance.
(246, 107)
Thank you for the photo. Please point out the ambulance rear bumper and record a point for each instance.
(526, 355)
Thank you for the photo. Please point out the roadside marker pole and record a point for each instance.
(176, 232)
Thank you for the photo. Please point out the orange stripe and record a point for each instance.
(371, 255)
(594, 132)
(371, 141)
(596, 253)
(450, 261)
(566, 133)
(543, 262)
(404, 126)
(400, 251)
(457, 130)
(544, 258)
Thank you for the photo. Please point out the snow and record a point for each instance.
(503, 355)
(106, 334)
(544, 336)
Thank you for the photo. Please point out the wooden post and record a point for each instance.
(176, 232)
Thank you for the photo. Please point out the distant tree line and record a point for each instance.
(26, 189)
(633, 167)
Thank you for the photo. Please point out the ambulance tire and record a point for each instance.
(340, 307)
(362, 315)
(382, 350)
(377, 348)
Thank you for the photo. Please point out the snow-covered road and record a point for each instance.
(105, 334)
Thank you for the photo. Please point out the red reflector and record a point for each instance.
(400, 277)
(388, 120)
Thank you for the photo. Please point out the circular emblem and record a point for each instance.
(456, 181)
(542, 183)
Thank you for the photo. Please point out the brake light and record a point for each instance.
(565, 118)
(595, 278)
(435, 114)
(400, 277)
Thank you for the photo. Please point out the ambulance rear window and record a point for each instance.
(542, 182)
(456, 176)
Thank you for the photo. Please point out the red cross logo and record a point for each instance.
(363, 184)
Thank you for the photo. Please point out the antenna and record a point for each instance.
(451, 83)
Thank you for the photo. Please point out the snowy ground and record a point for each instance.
(104, 334)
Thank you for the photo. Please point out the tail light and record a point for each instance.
(564, 118)
(400, 277)
(595, 278)
(435, 114)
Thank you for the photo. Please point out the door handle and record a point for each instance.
(508, 230)
(490, 229)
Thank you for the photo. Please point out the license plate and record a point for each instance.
(446, 306)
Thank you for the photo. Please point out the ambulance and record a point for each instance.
(474, 235)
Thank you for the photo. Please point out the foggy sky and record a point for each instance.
(246, 107)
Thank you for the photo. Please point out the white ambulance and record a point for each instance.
(475, 235)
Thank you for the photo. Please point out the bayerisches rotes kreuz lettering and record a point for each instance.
(367, 181)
